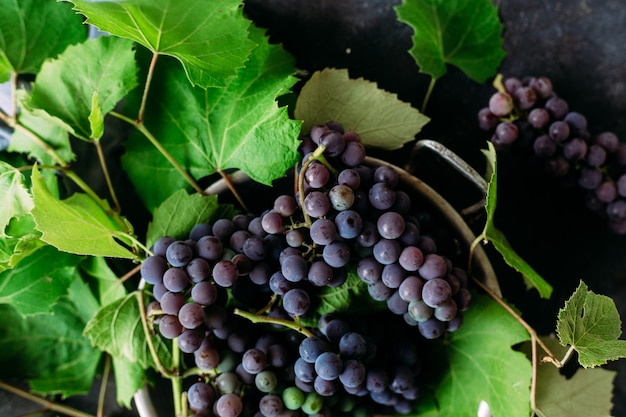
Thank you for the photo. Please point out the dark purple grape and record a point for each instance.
(511, 84)
(200, 397)
(171, 302)
(336, 254)
(199, 230)
(486, 119)
(334, 142)
(204, 293)
(390, 225)
(161, 245)
(170, 327)
(369, 270)
(349, 177)
(381, 196)
(294, 268)
(436, 292)
(209, 248)
(525, 97)
(225, 273)
(153, 268)
(387, 251)
(543, 87)
(575, 149)
(431, 328)
(316, 204)
(191, 315)
(590, 178)
(559, 131)
(296, 302)
(285, 205)
(348, 224)
(272, 222)
(596, 155)
(323, 231)
(506, 134)
(317, 175)
(557, 107)
(606, 192)
(190, 340)
(328, 366)
(353, 154)
(175, 279)
(544, 146)
(577, 123)
(223, 228)
(178, 254)
(608, 140)
(538, 118)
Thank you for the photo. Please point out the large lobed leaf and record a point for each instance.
(35, 284)
(77, 224)
(379, 117)
(497, 238)
(464, 33)
(239, 126)
(209, 37)
(33, 30)
(590, 323)
(479, 364)
(103, 69)
(117, 328)
(61, 361)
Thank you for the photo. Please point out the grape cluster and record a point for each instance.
(529, 113)
(347, 220)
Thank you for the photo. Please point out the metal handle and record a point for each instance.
(460, 166)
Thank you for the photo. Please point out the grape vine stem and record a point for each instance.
(103, 385)
(69, 411)
(254, 318)
(107, 176)
(314, 156)
(232, 189)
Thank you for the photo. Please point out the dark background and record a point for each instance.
(579, 44)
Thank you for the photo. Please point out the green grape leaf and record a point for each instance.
(117, 328)
(103, 281)
(497, 238)
(62, 360)
(33, 30)
(53, 136)
(591, 324)
(351, 296)
(21, 240)
(178, 214)
(209, 38)
(587, 393)
(130, 377)
(77, 224)
(38, 280)
(239, 126)
(379, 117)
(15, 199)
(65, 87)
(463, 33)
(475, 366)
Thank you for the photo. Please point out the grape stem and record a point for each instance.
(103, 385)
(69, 411)
(105, 171)
(144, 97)
(431, 87)
(316, 155)
(232, 189)
(144, 322)
(255, 318)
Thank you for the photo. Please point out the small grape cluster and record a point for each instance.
(227, 293)
(528, 112)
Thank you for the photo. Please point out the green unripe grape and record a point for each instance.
(293, 398)
(266, 381)
(313, 403)
(227, 382)
(228, 361)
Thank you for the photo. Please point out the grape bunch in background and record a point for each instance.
(347, 224)
(529, 113)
